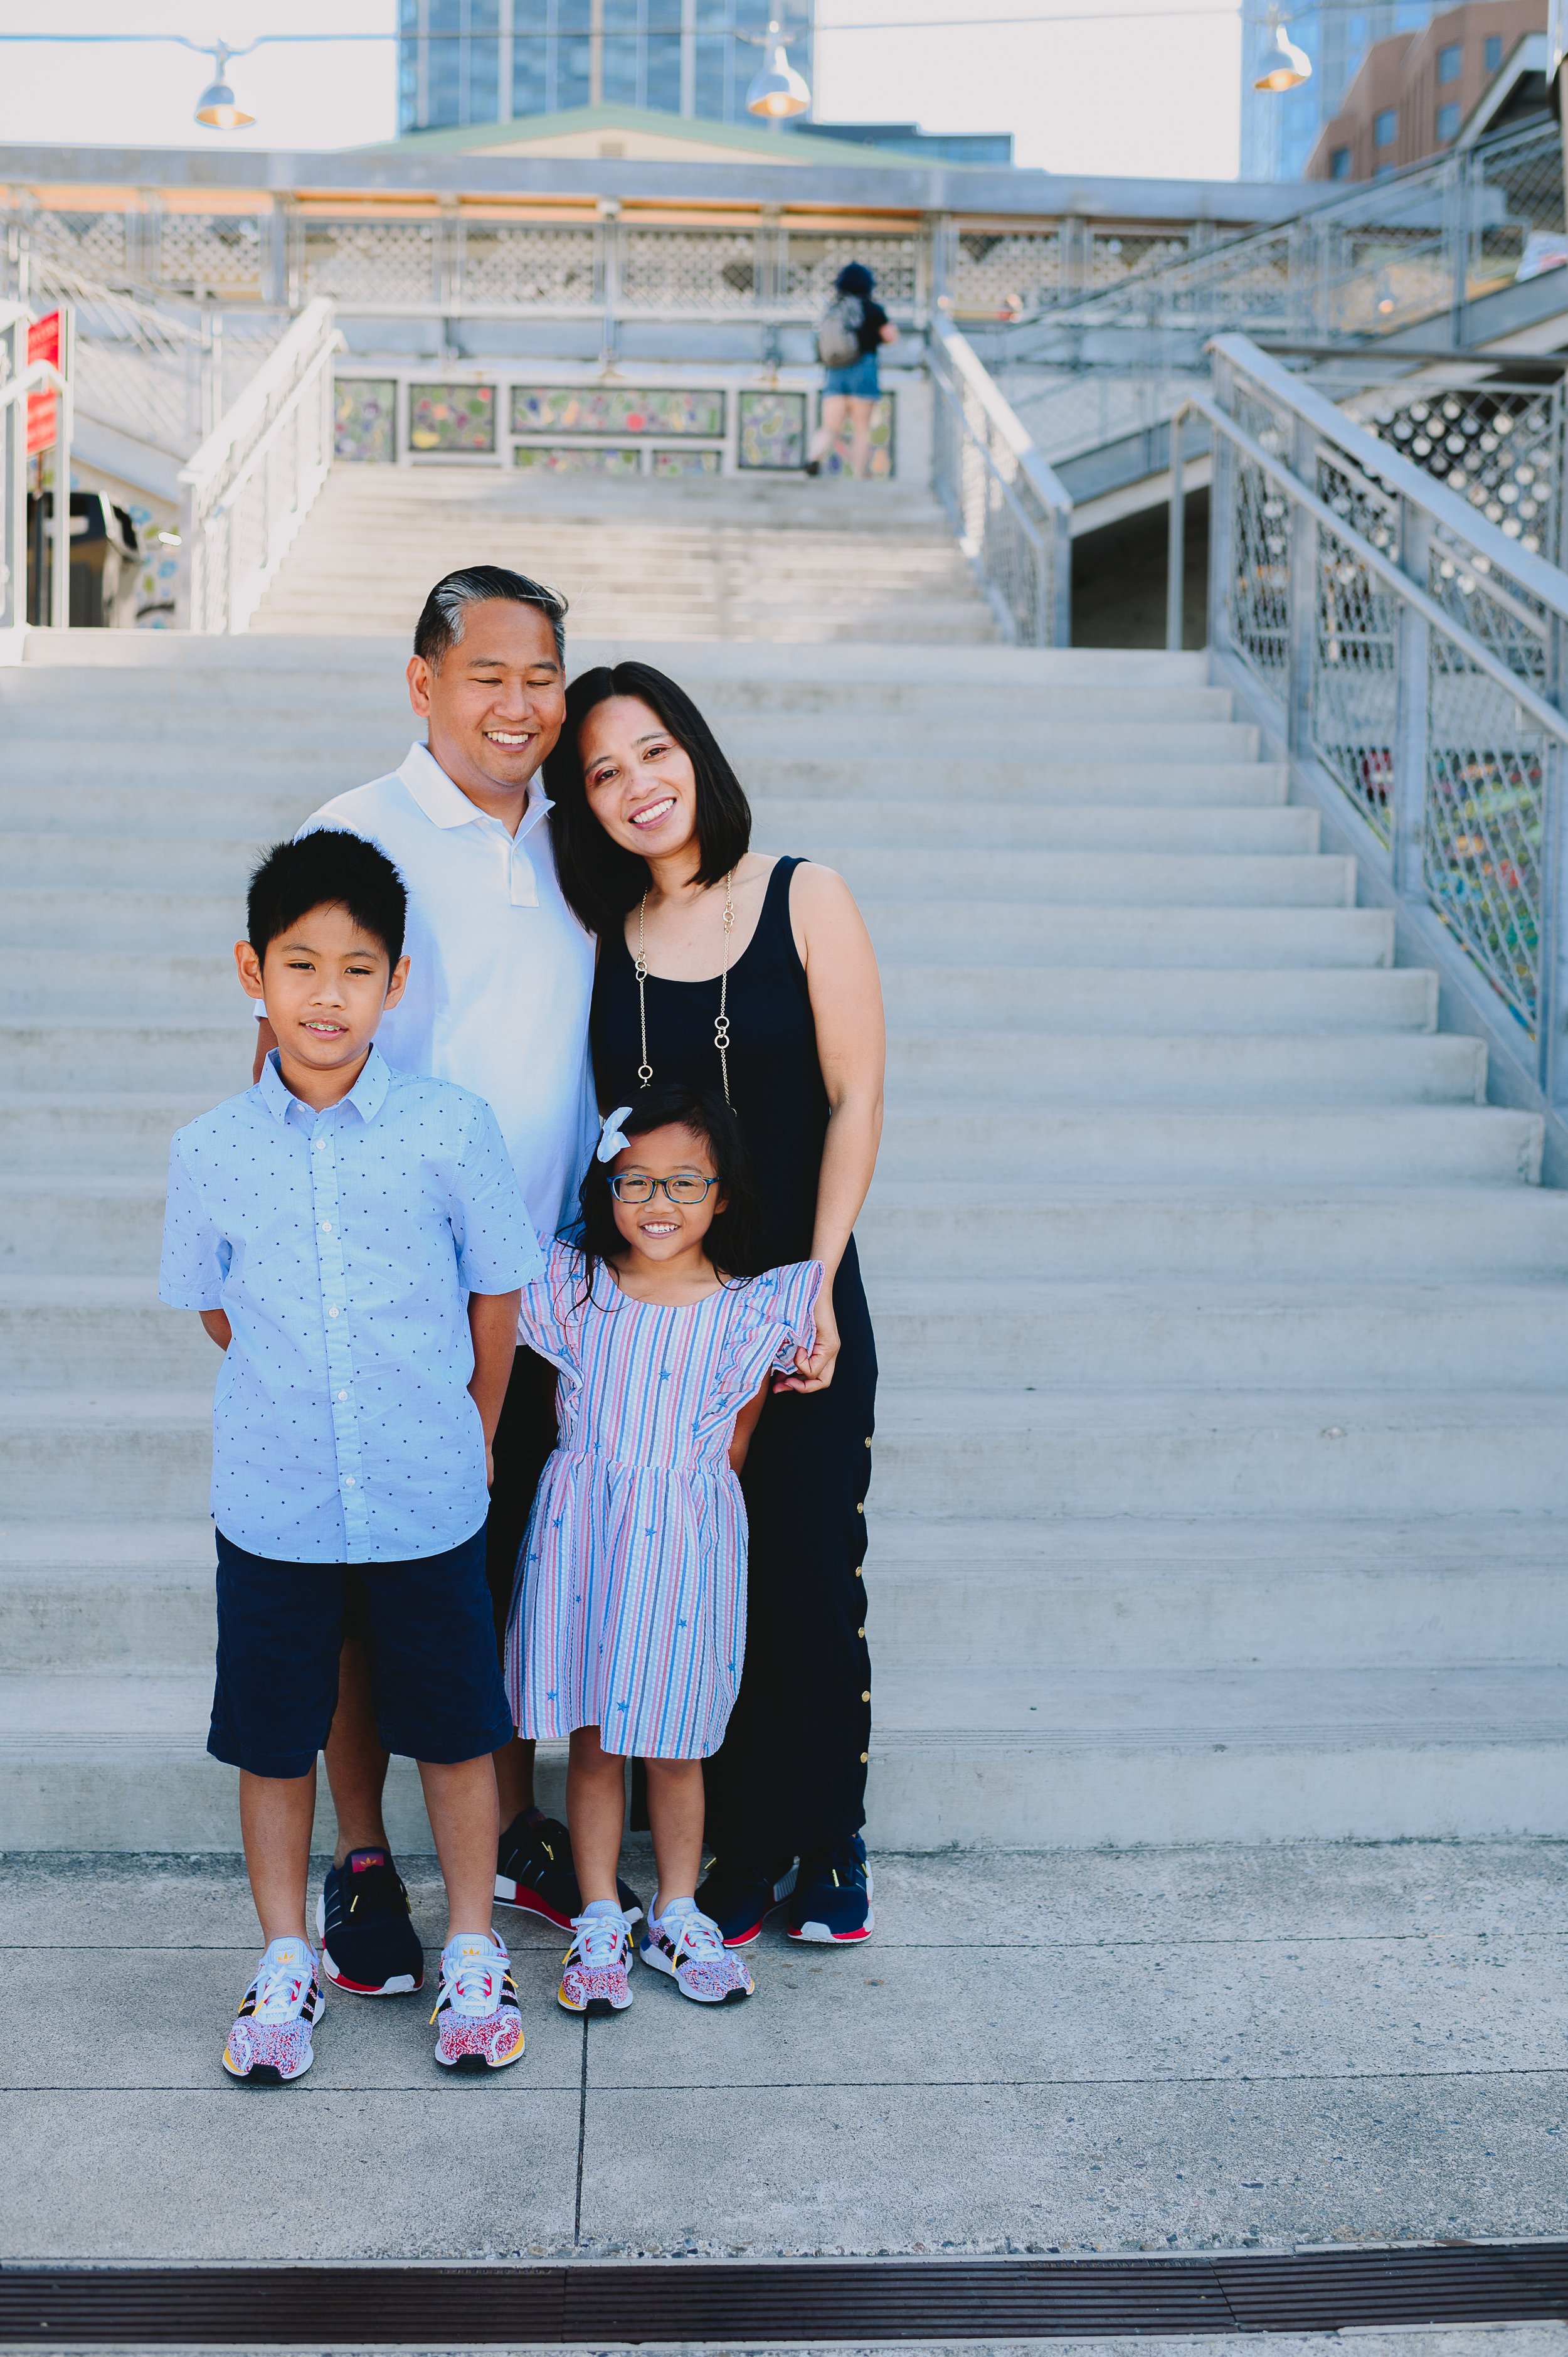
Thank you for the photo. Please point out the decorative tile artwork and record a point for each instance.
(772, 429)
(567, 461)
(452, 417)
(882, 440)
(687, 462)
(367, 420)
(614, 409)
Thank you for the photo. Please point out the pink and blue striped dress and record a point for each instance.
(629, 1610)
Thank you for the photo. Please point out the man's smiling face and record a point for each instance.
(495, 704)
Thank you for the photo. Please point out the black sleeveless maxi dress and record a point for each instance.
(790, 1775)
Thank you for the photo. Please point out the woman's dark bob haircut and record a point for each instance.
(734, 1241)
(601, 879)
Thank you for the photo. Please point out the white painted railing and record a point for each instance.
(1012, 516)
(251, 485)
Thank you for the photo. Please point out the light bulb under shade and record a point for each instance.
(216, 110)
(777, 91)
(1293, 66)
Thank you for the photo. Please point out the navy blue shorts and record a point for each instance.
(427, 1627)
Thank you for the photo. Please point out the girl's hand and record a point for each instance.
(814, 1370)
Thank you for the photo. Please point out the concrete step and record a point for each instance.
(1115, 1594)
(1342, 1450)
(1120, 1593)
(118, 1135)
(1098, 879)
(1044, 1067)
(61, 1332)
(964, 1000)
(1006, 1452)
(1008, 933)
(987, 1225)
(1408, 1145)
(1019, 1758)
(74, 1050)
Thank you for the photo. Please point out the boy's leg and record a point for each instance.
(276, 1813)
(676, 1817)
(466, 1821)
(595, 1813)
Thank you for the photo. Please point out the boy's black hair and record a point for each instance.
(734, 1242)
(328, 868)
(601, 879)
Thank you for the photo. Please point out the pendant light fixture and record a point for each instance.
(215, 109)
(777, 91)
(1290, 66)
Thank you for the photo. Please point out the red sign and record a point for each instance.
(43, 408)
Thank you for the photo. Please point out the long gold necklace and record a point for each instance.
(720, 1027)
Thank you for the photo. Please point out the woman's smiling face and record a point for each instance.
(639, 782)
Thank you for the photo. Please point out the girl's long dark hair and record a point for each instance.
(734, 1242)
(601, 879)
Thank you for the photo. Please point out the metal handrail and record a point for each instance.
(1011, 513)
(251, 484)
(1408, 656)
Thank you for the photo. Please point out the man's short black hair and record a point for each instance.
(328, 868)
(440, 625)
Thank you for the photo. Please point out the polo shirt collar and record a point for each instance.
(446, 805)
(366, 1096)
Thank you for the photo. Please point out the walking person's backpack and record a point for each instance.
(838, 338)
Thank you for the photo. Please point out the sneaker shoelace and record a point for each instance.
(843, 1866)
(696, 1936)
(598, 1940)
(381, 1888)
(470, 1982)
(281, 1986)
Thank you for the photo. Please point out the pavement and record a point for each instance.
(1160, 2050)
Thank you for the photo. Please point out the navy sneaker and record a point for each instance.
(740, 1898)
(368, 1944)
(831, 1899)
(534, 1871)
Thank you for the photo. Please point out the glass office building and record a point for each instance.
(465, 61)
(1279, 129)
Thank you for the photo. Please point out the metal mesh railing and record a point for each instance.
(1012, 517)
(1410, 649)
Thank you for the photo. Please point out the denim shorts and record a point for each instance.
(427, 1627)
(859, 380)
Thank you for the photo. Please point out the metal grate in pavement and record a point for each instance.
(785, 2300)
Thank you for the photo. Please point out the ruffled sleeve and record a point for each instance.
(792, 1311)
(549, 1316)
(772, 1320)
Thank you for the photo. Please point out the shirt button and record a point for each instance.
(866, 1695)
(333, 1311)
(860, 1632)
(865, 1757)
(344, 1395)
(860, 1509)
(327, 1227)
(348, 1482)
(321, 1146)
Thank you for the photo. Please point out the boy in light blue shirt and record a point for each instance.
(355, 1243)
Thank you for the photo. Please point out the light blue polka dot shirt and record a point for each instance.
(342, 1246)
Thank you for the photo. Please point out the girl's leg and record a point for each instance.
(675, 1814)
(465, 1818)
(828, 432)
(276, 1813)
(595, 1814)
(859, 453)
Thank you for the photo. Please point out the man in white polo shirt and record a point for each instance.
(499, 979)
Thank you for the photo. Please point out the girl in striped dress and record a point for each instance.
(628, 1619)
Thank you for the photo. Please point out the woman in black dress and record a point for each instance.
(720, 967)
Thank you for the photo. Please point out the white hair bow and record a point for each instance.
(612, 1136)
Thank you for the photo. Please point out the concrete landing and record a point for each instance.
(1147, 2051)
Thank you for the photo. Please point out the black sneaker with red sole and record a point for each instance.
(740, 1898)
(534, 1871)
(369, 1945)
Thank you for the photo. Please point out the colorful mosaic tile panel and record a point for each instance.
(772, 429)
(614, 409)
(367, 420)
(452, 417)
(567, 461)
(687, 462)
(882, 440)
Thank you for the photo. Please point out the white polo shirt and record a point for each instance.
(500, 972)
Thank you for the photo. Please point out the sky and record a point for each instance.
(1154, 91)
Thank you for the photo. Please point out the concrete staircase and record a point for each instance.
(1225, 1399)
(753, 559)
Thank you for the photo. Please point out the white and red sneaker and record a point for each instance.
(479, 2020)
(596, 1978)
(269, 2041)
(689, 1946)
